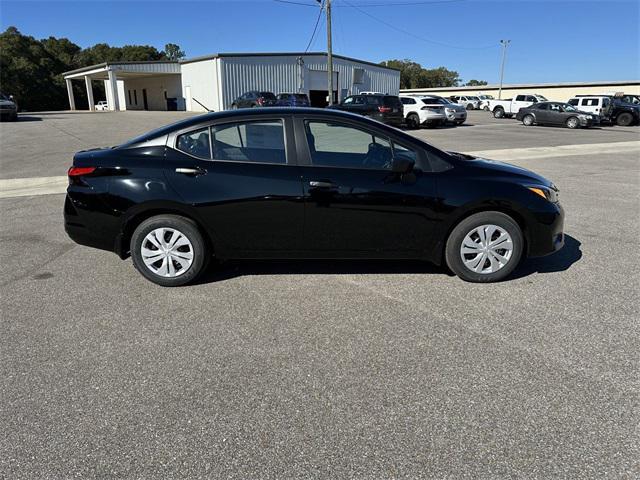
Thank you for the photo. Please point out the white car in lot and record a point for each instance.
(599, 105)
(420, 111)
(508, 108)
(470, 102)
(102, 105)
(484, 101)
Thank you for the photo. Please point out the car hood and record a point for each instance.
(497, 167)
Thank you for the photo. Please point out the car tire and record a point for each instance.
(498, 113)
(624, 119)
(470, 106)
(234, 106)
(528, 120)
(413, 121)
(573, 122)
(485, 108)
(460, 123)
(174, 266)
(490, 263)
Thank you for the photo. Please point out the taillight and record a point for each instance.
(79, 171)
(384, 109)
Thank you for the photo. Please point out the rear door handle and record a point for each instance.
(191, 171)
(317, 184)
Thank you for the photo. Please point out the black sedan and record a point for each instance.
(304, 183)
(555, 113)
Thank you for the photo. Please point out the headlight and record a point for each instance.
(550, 194)
(585, 117)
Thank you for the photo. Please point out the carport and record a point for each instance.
(156, 84)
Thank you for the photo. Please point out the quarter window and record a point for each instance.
(195, 143)
(573, 101)
(590, 102)
(338, 145)
(259, 142)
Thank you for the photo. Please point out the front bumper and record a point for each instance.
(546, 235)
(457, 116)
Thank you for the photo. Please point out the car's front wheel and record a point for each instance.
(485, 247)
(624, 119)
(169, 250)
(528, 120)
(573, 122)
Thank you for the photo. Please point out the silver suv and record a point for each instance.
(455, 113)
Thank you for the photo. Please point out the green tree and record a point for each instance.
(173, 52)
(475, 83)
(414, 75)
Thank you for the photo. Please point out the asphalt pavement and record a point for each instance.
(366, 370)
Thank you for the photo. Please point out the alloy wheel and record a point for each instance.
(486, 249)
(167, 252)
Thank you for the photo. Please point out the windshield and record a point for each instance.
(474, 98)
(540, 97)
(3, 96)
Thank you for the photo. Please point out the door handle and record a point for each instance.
(317, 184)
(191, 171)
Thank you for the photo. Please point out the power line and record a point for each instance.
(296, 3)
(406, 32)
(315, 28)
(398, 4)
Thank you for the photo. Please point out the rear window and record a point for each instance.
(284, 96)
(268, 95)
(391, 101)
(373, 99)
(301, 96)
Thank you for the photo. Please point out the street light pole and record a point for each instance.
(505, 44)
(329, 53)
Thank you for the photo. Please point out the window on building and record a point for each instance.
(259, 142)
(195, 143)
(129, 97)
(135, 97)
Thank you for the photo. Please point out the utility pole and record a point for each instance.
(505, 44)
(329, 53)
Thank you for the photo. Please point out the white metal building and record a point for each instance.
(214, 81)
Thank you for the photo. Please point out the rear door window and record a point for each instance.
(573, 101)
(195, 143)
(520, 98)
(259, 141)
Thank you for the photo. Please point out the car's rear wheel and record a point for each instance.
(413, 121)
(169, 250)
(624, 119)
(528, 120)
(485, 247)
(573, 122)
(485, 108)
(498, 112)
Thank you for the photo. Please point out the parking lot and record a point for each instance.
(322, 369)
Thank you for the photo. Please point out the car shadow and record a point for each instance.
(28, 118)
(558, 262)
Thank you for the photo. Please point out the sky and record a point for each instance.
(551, 40)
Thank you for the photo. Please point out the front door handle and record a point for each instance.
(191, 171)
(317, 184)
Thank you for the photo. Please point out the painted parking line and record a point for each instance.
(558, 151)
(24, 187)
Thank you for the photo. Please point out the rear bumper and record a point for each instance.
(547, 233)
(87, 223)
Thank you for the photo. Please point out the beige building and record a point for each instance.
(560, 92)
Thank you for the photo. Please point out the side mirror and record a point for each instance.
(401, 165)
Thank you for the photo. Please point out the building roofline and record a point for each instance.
(106, 64)
(602, 83)
(281, 54)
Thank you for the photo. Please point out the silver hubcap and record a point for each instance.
(528, 120)
(167, 252)
(486, 249)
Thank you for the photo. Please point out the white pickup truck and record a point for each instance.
(508, 108)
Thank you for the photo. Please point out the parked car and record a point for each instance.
(623, 113)
(484, 101)
(384, 108)
(304, 183)
(456, 114)
(508, 108)
(102, 105)
(292, 100)
(254, 99)
(556, 113)
(8, 108)
(632, 99)
(418, 112)
(470, 102)
(598, 105)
